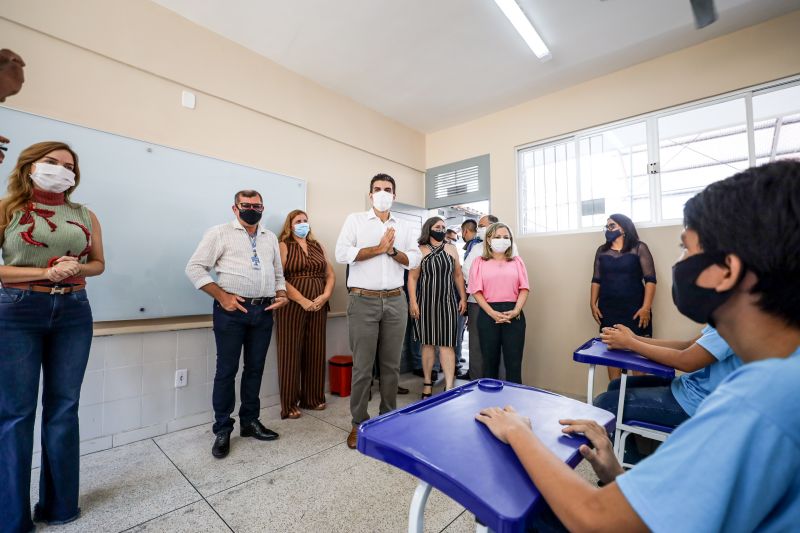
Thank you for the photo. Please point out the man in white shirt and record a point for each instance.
(378, 247)
(249, 287)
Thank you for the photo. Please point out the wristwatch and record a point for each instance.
(393, 253)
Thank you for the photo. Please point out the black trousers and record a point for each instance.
(507, 339)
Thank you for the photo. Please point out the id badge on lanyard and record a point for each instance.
(254, 259)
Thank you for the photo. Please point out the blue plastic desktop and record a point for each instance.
(440, 442)
(595, 352)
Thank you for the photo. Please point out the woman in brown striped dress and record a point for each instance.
(301, 323)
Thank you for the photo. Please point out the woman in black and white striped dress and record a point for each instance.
(436, 297)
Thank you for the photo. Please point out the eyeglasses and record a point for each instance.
(255, 207)
(610, 227)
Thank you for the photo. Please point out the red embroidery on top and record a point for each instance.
(88, 236)
(28, 219)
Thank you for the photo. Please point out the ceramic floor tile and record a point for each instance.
(123, 487)
(337, 411)
(190, 450)
(465, 523)
(336, 490)
(195, 518)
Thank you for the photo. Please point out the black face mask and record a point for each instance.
(611, 236)
(437, 235)
(250, 216)
(696, 303)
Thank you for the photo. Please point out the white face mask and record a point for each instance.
(52, 178)
(482, 234)
(382, 200)
(500, 245)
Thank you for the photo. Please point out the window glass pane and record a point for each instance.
(777, 119)
(698, 147)
(613, 173)
(548, 188)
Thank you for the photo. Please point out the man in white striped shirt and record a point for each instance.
(249, 286)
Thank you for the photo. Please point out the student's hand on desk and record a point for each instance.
(643, 314)
(602, 458)
(277, 303)
(618, 337)
(501, 422)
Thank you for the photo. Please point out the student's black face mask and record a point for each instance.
(696, 303)
(251, 216)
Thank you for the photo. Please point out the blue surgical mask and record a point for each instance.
(302, 229)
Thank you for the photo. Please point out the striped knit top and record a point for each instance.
(46, 229)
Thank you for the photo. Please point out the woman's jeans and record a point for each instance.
(50, 334)
(507, 339)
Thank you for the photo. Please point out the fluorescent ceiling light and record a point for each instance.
(514, 14)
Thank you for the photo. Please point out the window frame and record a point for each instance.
(651, 122)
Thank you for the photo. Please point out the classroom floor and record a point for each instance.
(308, 480)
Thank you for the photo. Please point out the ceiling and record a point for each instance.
(431, 64)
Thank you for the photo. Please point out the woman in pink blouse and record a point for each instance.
(499, 283)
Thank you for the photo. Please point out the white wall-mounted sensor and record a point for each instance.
(188, 99)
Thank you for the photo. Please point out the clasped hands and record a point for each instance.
(62, 268)
(314, 305)
(504, 317)
(387, 241)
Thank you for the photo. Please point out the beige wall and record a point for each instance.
(560, 265)
(120, 67)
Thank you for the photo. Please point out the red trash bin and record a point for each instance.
(340, 374)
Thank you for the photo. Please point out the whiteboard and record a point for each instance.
(154, 203)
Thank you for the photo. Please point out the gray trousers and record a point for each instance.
(377, 326)
(475, 355)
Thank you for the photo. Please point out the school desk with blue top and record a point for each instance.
(595, 352)
(439, 441)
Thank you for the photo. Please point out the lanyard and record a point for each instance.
(254, 260)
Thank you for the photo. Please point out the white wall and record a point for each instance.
(129, 390)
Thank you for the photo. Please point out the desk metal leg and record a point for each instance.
(618, 451)
(590, 386)
(416, 514)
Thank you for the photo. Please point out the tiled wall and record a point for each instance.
(129, 390)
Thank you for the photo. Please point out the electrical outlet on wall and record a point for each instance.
(181, 378)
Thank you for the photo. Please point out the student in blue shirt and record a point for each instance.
(707, 360)
(735, 465)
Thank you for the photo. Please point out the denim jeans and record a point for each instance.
(647, 398)
(50, 334)
(232, 331)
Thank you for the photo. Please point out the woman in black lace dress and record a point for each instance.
(624, 281)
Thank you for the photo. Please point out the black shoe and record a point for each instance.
(464, 376)
(462, 360)
(222, 445)
(418, 372)
(426, 394)
(434, 376)
(402, 390)
(257, 430)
